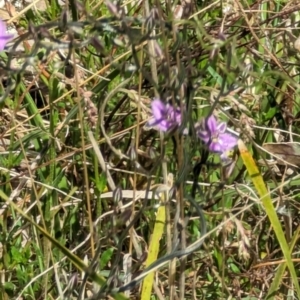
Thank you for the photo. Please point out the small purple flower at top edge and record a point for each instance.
(165, 116)
(214, 135)
(4, 37)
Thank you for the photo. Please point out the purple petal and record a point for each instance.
(202, 131)
(215, 147)
(158, 109)
(170, 112)
(177, 116)
(165, 116)
(151, 122)
(222, 127)
(214, 135)
(169, 108)
(211, 124)
(4, 37)
(228, 141)
(204, 136)
(163, 125)
(173, 114)
(4, 40)
(2, 44)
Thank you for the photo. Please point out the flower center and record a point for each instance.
(215, 137)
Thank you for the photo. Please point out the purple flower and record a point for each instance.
(214, 135)
(165, 116)
(4, 37)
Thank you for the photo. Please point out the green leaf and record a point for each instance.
(270, 113)
(105, 257)
(17, 255)
(9, 287)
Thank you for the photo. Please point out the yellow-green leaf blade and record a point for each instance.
(269, 208)
(153, 250)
